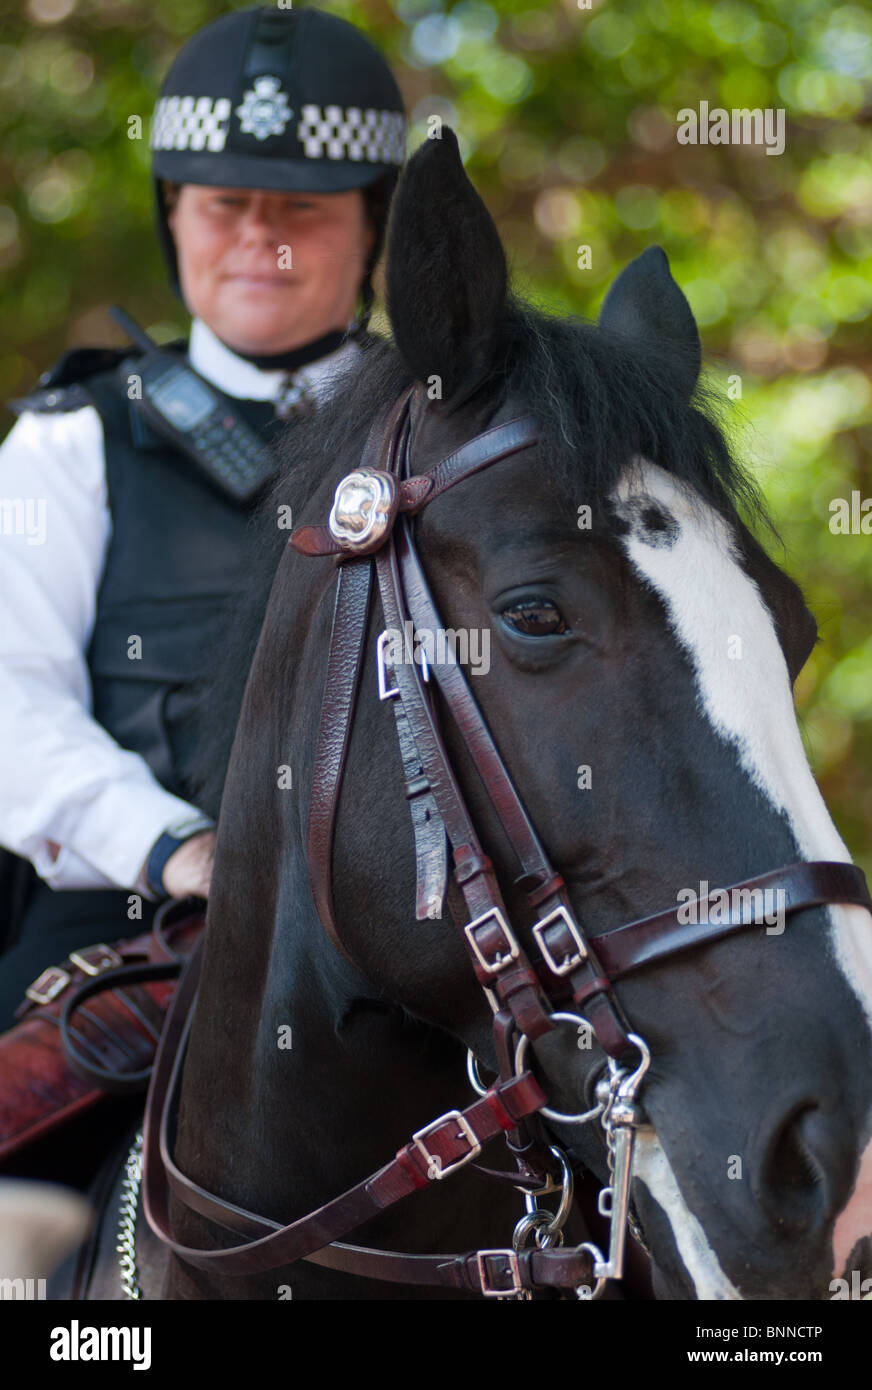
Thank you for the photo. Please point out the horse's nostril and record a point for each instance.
(795, 1188)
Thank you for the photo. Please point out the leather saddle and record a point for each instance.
(89, 1027)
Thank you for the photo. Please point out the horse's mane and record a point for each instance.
(308, 448)
(599, 400)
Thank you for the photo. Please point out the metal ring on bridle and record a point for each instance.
(475, 1080)
(520, 1052)
(567, 1186)
(538, 1225)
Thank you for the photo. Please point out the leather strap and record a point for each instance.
(428, 827)
(443, 1147)
(650, 939)
(491, 446)
(163, 962)
(113, 1082)
(488, 1272)
(487, 448)
(344, 665)
(497, 957)
(545, 888)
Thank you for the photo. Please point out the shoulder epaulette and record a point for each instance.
(61, 387)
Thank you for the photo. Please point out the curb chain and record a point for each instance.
(127, 1212)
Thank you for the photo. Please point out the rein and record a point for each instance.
(370, 534)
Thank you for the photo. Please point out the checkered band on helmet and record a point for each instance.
(190, 123)
(324, 132)
(346, 132)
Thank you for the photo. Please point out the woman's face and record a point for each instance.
(270, 271)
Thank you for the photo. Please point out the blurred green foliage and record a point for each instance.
(567, 117)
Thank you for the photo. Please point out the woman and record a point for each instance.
(276, 143)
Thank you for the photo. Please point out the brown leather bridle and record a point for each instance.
(369, 532)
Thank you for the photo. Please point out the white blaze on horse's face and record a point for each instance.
(651, 1166)
(684, 549)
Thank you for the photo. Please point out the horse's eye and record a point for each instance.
(535, 617)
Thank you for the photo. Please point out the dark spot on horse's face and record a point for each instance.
(659, 523)
(647, 520)
(655, 526)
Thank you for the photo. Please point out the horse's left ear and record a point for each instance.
(645, 304)
(445, 273)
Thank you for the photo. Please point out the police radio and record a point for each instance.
(201, 422)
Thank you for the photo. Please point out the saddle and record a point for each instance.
(89, 1027)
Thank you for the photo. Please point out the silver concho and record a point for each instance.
(363, 509)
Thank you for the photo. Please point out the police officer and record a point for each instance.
(276, 143)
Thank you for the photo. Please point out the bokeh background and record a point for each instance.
(567, 119)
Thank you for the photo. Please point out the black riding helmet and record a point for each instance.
(286, 100)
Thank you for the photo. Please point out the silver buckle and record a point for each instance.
(514, 1269)
(490, 967)
(381, 668)
(434, 1162)
(383, 692)
(569, 962)
(106, 957)
(48, 985)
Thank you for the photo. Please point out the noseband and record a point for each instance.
(370, 535)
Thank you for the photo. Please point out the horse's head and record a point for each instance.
(633, 649)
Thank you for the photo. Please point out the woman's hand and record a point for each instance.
(189, 870)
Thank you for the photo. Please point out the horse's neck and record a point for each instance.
(299, 1081)
(329, 1088)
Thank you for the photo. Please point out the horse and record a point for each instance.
(641, 652)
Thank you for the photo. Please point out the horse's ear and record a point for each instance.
(445, 273)
(646, 304)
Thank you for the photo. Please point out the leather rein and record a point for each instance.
(370, 536)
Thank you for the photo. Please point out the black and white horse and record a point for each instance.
(641, 653)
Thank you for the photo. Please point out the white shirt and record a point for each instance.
(63, 778)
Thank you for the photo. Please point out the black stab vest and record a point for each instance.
(175, 562)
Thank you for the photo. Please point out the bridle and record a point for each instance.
(370, 535)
